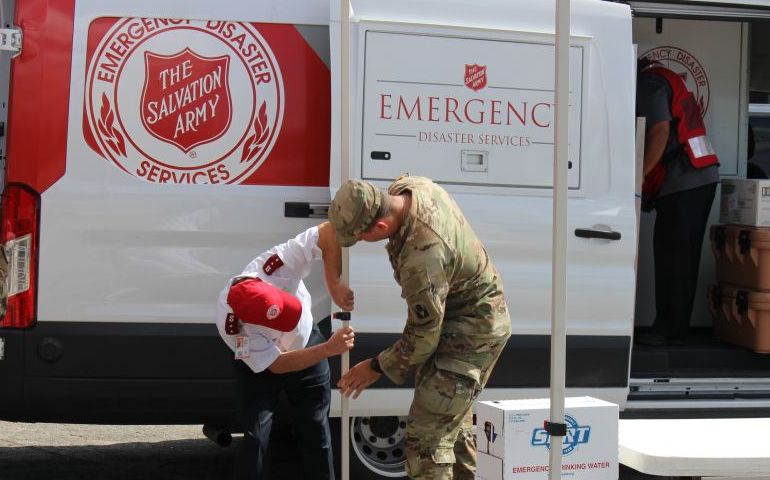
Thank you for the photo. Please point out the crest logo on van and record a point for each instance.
(159, 99)
(686, 66)
(186, 98)
(475, 76)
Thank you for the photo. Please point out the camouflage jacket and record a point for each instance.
(456, 307)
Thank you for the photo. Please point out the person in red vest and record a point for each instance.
(681, 174)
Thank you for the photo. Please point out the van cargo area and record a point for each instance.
(706, 371)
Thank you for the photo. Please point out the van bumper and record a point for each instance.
(86, 372)
(11, 374)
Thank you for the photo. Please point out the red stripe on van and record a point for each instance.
(301, 155)
(39, 94)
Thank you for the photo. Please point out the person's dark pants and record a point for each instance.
(309, 394)
(679, 228)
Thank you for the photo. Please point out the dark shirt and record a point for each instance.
(653, 101)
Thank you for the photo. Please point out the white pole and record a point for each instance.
(345, 175)
(559, 265)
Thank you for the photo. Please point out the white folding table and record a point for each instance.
(713, 448)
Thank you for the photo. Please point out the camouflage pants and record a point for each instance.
(440, 442)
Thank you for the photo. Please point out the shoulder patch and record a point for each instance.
(421, 312)
(272, 264)
(231, 324)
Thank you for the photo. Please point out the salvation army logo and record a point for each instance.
(199, 110)
(273, 312)
(686, 66)
(182, 101)
(475, 76)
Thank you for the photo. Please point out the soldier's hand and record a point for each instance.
(342, 296)
(341, 341)
(358, 379)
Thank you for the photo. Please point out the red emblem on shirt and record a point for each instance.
(231, 324)
(272, 264)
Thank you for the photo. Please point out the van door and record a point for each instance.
(165, 149)
(472, 108)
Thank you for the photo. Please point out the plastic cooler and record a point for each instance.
(741, 316)
(742, 255)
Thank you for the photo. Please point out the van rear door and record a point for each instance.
(162, 151)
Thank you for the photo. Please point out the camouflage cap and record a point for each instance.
(353, 209)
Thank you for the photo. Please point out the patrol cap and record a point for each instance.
(353, 210)
(260, 303)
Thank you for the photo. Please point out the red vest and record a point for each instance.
(690, 130)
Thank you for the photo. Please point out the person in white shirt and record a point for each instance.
(264, 316)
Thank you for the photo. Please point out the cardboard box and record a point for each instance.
(513, 445)
(745, 202)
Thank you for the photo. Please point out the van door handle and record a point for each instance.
(591, 233)
(305, 210)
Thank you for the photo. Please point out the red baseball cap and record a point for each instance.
(260, 303)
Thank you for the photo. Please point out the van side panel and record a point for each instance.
(136, 241)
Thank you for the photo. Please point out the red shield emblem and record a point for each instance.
(186, 98)
(475, 77)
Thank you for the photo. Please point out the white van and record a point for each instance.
(155, 147)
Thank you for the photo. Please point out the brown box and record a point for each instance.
(741, 316)
(742, 255)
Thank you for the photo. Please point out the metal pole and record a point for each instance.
(559, 265)
(345, 175)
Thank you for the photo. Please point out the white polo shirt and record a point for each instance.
(266, 344)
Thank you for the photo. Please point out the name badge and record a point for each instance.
(241, 347)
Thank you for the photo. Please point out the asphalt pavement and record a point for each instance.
(107, 452)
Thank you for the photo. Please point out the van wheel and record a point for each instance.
(376, 447)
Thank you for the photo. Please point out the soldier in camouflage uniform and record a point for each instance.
(457, 322)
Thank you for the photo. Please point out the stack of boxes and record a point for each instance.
(740, 302)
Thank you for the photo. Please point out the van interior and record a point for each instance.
(705, 368)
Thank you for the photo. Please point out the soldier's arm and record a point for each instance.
(424, 287)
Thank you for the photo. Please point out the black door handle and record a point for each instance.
(305, 210)
(590, 233)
